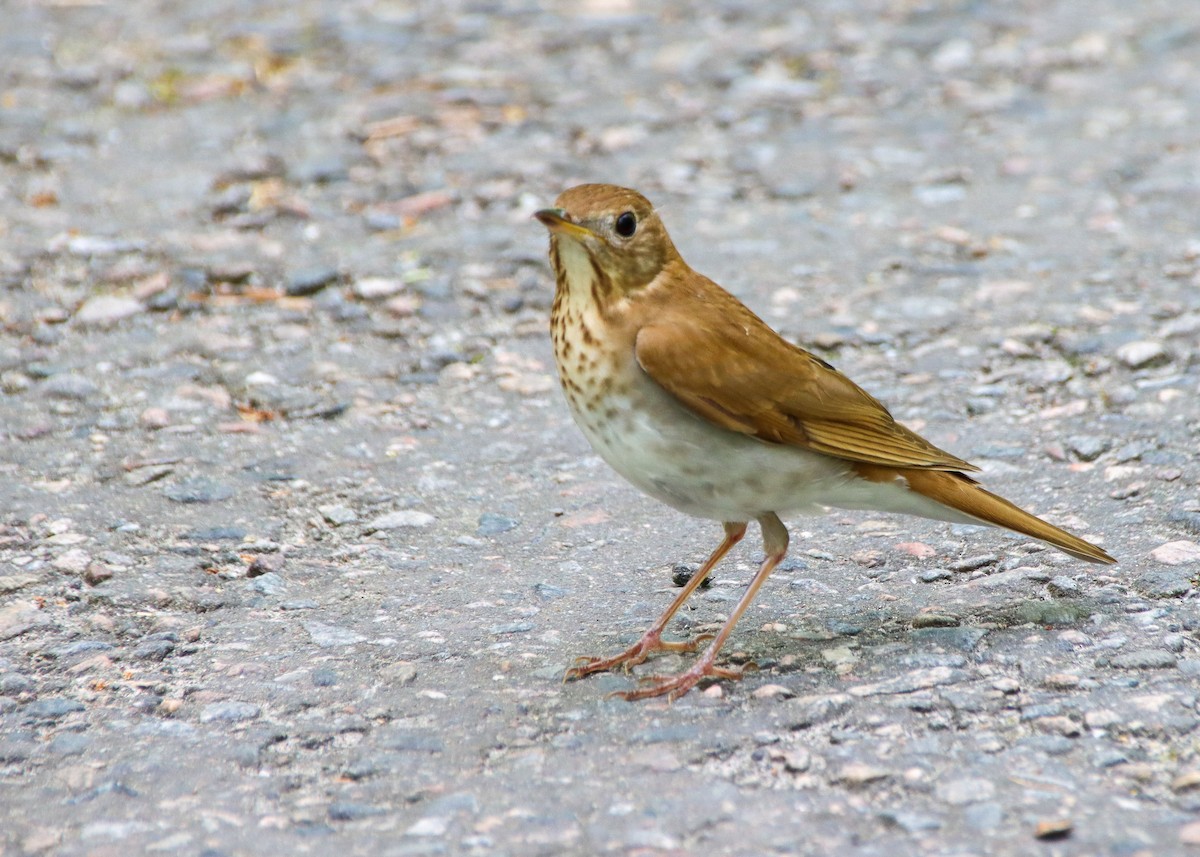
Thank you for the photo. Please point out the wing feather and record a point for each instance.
(730, 368)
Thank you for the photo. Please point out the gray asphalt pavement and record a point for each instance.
(297, 537)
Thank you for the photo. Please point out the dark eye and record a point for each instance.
(626, 224)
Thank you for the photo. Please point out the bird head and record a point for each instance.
(616, 229)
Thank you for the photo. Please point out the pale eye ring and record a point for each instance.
(626, 224)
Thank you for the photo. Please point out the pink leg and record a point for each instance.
(775, 542)
(652, 640)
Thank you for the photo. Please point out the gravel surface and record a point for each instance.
(297, 539)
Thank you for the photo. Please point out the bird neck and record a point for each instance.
(583, 285)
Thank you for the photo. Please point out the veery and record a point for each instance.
(695, 400)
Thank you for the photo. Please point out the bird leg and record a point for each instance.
(652, 640)
(775, 542)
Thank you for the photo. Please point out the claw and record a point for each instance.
(583, 667)
(634, 655)
(675, 686)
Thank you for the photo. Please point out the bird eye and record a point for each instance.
(626, 224)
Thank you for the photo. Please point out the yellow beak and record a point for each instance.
(555, 219)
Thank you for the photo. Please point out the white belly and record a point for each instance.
(706, 471)
(710, 472)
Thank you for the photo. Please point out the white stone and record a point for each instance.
(327, 636)
(1141, 353)
(965, 791)
(404, 519)
(103, 310)
(377, 288)
(1176, 553)
(74, 561)
(953, 55)
(429, 826)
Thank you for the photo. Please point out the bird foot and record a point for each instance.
(675, 686)
(651, 641)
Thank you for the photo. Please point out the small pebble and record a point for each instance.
(68, 386)
(795, 761)
(1174, 643)
(377, 288)
(69, 744)
(1187, 781)
(402, 520)
(1163, 583)
(265, 565)
(269, 584)
(1061, 681)
(918, 679)
(974, 562)
(491, 524)
(844, 628)
(199, 490)
(403, 672)
(324, 677)
(153, 650)
(1142, 354)
(107, 310)
(14, 684)
(911, 822)
(960, 792)
(985, 816)
(230, 712)
(1144, 659)
(1089, 447)
(310, 281)
(353, 811)
(1109, 758)
(1059, 725)
(1052, 829)
(511, 628)
(328, 636)
(1176, 553)
(1189, 834)
(322, 167)
(53, 708)
(430, 826)
(17, 582)
(861, 773)
(1051, 613)
(1063, 587)
(13, 382)
(935, 620)
(74, 561)
(548, 591)
(920, 550)
(337, 514)
(155, 418)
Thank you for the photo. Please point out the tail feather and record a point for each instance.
(961, 493)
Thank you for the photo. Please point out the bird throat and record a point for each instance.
(579, 320)
(581, 281)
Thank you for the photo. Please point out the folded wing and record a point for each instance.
(739, 374)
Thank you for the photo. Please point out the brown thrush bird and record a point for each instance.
(695, 400)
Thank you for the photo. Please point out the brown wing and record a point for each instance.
(728, 366)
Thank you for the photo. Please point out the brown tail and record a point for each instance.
(961, 493)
